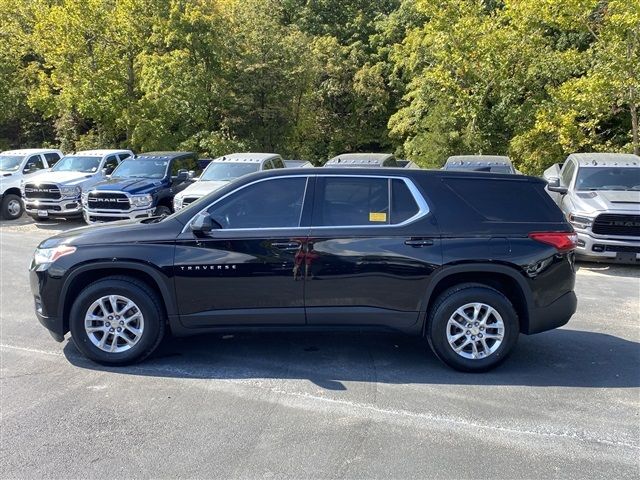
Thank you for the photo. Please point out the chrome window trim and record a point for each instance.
(423, 206)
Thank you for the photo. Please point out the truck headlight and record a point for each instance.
(177, 203)
(141, 200)
(69, 191)
(46, 256)
(579, 221)
(84, 198)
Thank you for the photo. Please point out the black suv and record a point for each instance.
(466, 260)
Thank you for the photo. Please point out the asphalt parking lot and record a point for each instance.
(566, 404)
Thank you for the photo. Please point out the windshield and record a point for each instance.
(481, 168)
(224, 171)
(10, 162)
(77, 164)
(141, 168)
(603, 178)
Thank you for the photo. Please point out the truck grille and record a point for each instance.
(45, 191)
(619, 225)
(108, 201)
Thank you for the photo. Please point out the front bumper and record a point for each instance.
(53, 324)
(66, 207)
(98, 216)
(607, 249)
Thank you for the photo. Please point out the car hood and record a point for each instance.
(599, 201)
(125, 231)
(202, 188)
(60, 178)
(133, 186)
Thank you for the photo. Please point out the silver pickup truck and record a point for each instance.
(600, 195)
(56, 192)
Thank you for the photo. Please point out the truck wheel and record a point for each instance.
(117, 321)
(12, 207)
(162, 211)
(472, 327)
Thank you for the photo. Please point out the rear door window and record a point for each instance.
(351, 201)
(403, 204)
(51, 158)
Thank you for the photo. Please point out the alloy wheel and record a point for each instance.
(114, 323)
(475, 331)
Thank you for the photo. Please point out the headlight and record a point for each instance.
(579, 221)
(46, 256)
(85, 198)
(141, 200)
(69, 191)
(177, 202)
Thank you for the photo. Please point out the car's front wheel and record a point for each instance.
(117, 321)
(472, 327)
(11, 207)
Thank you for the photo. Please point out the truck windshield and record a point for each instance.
(10, 163)
(605, 178)
(481, 168)
(222, 171)
(141, 168)
(77, 164)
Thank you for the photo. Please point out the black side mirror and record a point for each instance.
(553, 185)
(183, 176)
(203, 225)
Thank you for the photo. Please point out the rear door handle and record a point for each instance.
(286, 245)
(419, 242)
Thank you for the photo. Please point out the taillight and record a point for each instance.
(562, 241)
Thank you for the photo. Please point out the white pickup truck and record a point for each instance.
(57, 192)
(17, 166)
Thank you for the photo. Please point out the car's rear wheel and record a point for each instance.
(117, 321)
(472, 327)
(12, 207)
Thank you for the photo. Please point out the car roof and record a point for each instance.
(27, 151)
(165, 155)
(100, 153)
(594, 159)
(359, 159)
(478, 160)
(248, 157)
(392, 172)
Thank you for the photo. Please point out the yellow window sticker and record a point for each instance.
(377, 217)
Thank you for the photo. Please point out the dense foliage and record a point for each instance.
(312, 78)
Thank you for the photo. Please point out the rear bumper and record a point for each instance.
(554, 315)
(97, 216)
(68, 207)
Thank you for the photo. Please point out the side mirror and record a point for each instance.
(105, 171)
(182, 176)
(30, 169)
(203, 225)
(191, 174)
(553, 185)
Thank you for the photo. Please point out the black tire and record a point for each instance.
(148, 303)
(7, 208)
(445, 306)
(162, 211)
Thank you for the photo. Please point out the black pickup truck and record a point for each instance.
(140, 187)
(466, 260)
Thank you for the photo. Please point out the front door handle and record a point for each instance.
(419, 242)
(286, 245)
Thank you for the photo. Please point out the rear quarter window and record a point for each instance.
(503, 201)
